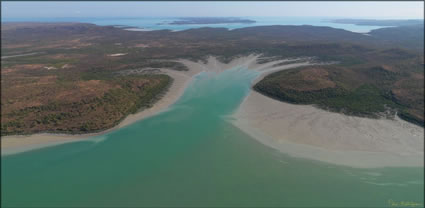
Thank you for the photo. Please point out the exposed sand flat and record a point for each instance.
(13, 56)
(117, 54)
(249, 62)
(16, 144)
(308, 132)
(298, 130)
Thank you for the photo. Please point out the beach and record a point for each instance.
(312, 133)
(297, 130)
(305, 131)
(222, 139)
(21, 143)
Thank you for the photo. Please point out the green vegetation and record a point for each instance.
(359, 91)
(72, 84)
(411, 118)
(88, 114)
(366, 100)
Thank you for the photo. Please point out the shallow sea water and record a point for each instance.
(191, 155)
(160, 23)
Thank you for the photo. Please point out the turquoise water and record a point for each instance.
(154, 23)
(191, 155)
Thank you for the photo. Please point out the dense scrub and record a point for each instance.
(361, 91)
(81, 112)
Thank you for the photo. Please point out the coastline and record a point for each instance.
(302, 131)
(20, 143)
(308, 132)
(305, 131)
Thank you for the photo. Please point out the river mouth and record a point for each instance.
(192, 155)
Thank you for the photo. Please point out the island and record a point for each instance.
(210, 20)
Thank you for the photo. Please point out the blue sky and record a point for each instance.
(378, 10)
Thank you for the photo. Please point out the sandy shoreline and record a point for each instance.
(21, 143)
(309, 132)
(298, 130)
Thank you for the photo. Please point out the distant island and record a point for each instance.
(209, 20)
(374, 22)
